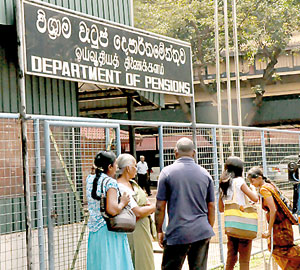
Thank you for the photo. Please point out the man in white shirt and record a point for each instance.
(142, 173)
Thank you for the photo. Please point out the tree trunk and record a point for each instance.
(184, 107)
(259, 89)
(204, 86)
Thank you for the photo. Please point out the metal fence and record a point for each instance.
(61, 152)
(12, 216)
(271, 149)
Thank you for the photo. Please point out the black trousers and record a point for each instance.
(144, 183)
(197, 252)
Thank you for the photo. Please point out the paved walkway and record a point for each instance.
(214, 249)
(213, 255)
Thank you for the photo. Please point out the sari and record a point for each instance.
(285, 252)
(140, 241)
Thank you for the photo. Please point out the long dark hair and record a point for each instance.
(102, 161)
(233, 168)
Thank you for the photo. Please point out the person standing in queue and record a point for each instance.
(280, 220)
(140, 241)
(188, 191)
(142, 173)
(232, 182)
(106, 249)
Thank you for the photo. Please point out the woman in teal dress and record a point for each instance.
(106, 250)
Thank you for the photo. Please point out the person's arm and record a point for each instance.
(143, 211)
(211, 213)
(270, 204)
(250, 193)
(114, 208)
(159, 220)
(138, 167)
(221, 204)
(147, 172)
(210, 200)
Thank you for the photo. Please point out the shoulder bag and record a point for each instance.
(123, 222)
(240, 221)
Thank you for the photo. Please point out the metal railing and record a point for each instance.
(61, 153)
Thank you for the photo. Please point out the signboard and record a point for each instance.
(66, 45)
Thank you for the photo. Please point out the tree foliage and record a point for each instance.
(265, 28)
(190, 21)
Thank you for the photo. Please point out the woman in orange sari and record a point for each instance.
(280, 219)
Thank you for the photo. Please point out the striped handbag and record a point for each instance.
(240, 221)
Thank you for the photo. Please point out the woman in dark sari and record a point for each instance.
(280, 219)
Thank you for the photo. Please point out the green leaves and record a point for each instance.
(264, 27)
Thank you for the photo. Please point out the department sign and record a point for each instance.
(65, 45)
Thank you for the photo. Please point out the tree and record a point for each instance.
(264, 29)
(190, 21)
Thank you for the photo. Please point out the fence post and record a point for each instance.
(264, 155)
(74, 157)
(24, 139)
(106, 138)
(195, 142)
(194, 121)
(298, 205)
(118, 138)
(216, 173)
(161, 165)
(50, 210)
(37, 151)
(264, 163)
(161, 147)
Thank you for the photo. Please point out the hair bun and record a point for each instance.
(104, 158)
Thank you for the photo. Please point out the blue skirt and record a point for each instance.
(108, 251)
